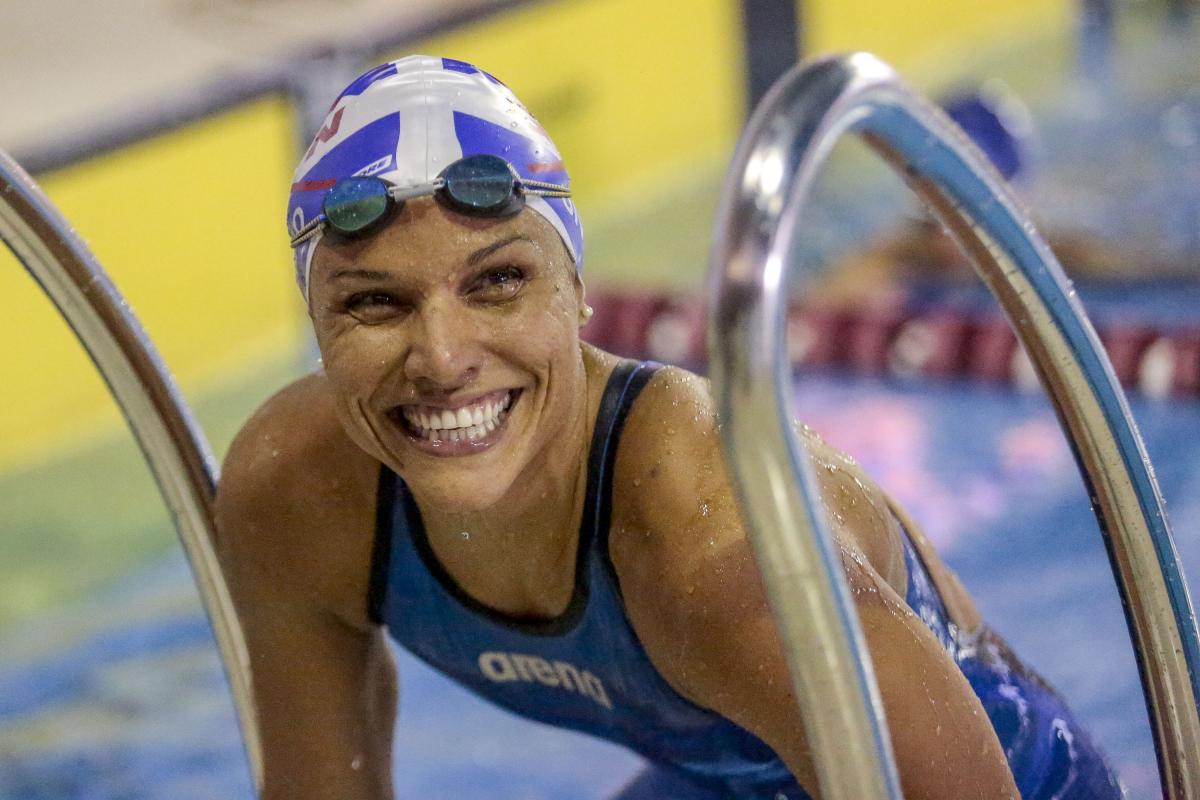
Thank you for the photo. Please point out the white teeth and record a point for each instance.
(460, 425)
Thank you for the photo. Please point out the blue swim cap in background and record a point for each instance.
(405, 121)
(996, 121)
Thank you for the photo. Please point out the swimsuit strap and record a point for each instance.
(624, 385)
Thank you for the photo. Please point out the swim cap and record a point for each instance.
(405, 121)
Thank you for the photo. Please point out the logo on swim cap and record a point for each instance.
(406, 120)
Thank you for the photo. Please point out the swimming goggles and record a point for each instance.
(479, 186)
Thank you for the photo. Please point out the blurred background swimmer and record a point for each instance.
(922, 253)
(109, 685)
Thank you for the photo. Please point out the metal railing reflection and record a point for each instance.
(169, 437)
(758, 221)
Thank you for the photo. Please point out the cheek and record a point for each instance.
(356, 358)
(548, 336)
(534, 327)
(554, 312)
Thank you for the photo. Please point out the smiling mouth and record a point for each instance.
(474, 423)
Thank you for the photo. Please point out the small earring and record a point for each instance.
(587, 312)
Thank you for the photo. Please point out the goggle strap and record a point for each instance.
(310, 229)
(550, 187)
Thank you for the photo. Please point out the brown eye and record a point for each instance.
(497, 284)
(373, 307)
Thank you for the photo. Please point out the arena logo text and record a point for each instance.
(508, 667)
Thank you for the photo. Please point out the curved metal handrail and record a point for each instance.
(169, 437)
(788, 138)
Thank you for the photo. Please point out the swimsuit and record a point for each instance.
(586, 669)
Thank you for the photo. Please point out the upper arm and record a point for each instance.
(695, 597)
(294, 545)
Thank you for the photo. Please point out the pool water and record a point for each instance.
(121, 695)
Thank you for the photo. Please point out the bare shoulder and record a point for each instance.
(686, 572)
(671, 480)
(296, 504)
(670, 453)
(671, 474)
(673, 514)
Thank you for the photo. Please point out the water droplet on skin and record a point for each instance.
(466, 535)
(356, 763)
(691, 589)
(637, 482)
(705, 509)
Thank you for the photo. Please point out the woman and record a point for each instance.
(547, 524)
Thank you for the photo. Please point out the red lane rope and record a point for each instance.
(938, 343)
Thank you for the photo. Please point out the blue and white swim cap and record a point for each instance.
(405, 121)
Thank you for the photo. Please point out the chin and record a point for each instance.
(456, 495)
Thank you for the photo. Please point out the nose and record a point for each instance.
(445, 354)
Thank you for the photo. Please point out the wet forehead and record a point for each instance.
(427, 240)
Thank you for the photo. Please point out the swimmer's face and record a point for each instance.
(452, 346)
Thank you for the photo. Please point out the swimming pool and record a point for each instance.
(120, 694)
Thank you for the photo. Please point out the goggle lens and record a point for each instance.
(480, 184)
(356, 203)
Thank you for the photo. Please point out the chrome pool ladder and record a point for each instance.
(171, 441)
(758, 221)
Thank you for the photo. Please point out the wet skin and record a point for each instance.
(438, 313)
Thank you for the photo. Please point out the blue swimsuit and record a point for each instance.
(586, 669)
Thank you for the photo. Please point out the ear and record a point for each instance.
(585, 311)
